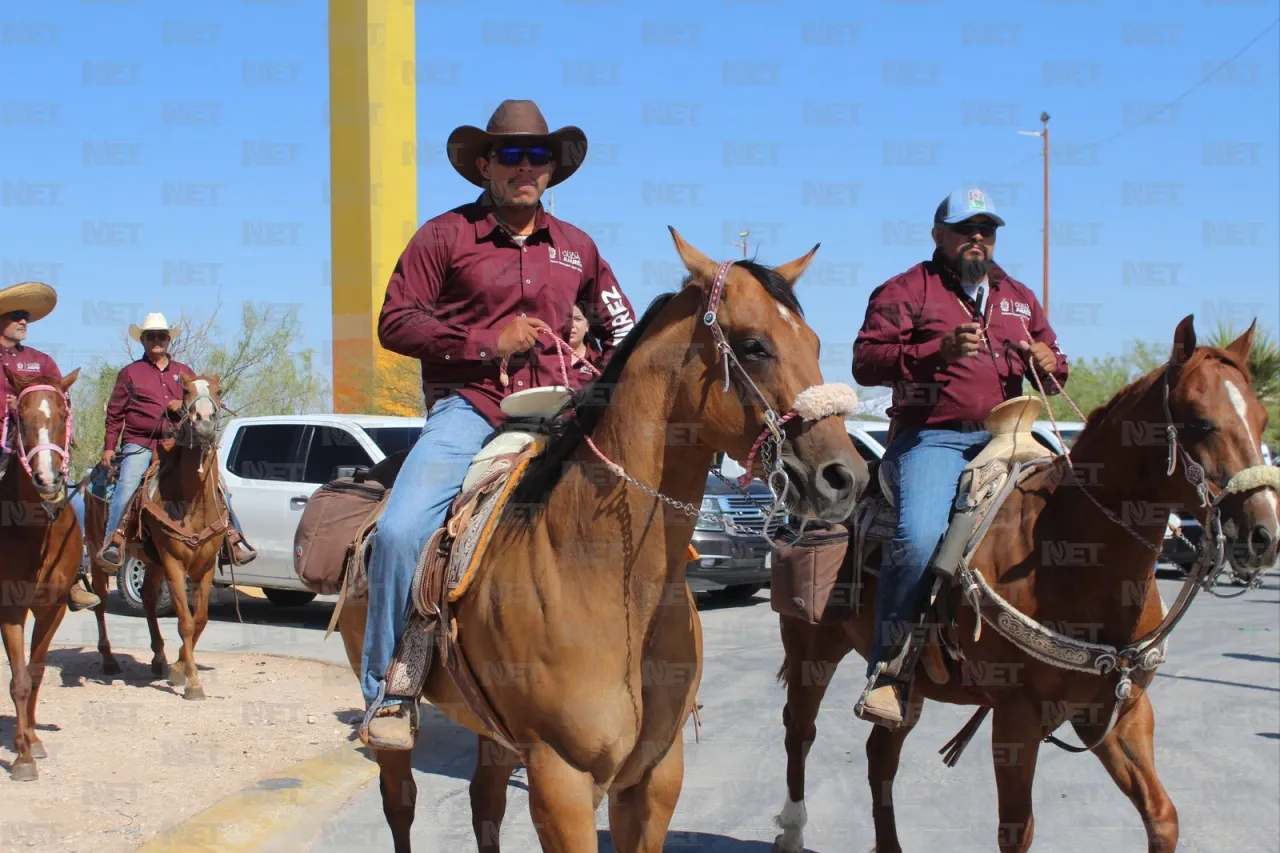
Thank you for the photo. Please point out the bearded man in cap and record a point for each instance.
(475, 285)
(146, 398)
(954, 336)
(21, 305)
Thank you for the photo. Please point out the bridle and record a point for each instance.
(811, 405)
(24, 455)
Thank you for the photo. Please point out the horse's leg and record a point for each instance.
(639, 815)
(200, 618)
(13, 629)
(399, 794)
(99, 582)
(494, 766)
(812, 654)
(1129, 757)
(1015, 745)
(151, 581)
(884, 748)
(46, 625)
(562, 802)
(184, 674)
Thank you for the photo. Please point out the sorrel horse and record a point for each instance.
(1121, 506)
(40, 544)
(579, 625)
(183, 526)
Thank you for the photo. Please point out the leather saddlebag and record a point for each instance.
(807, 582)
(324, 541)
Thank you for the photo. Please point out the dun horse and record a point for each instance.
(182, 529)
(40, 544)
(1122, 504)
(578, 624)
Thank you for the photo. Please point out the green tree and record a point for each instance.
(1093, 381)
(262, 371)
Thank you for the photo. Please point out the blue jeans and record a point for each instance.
(929, 463)
(134, 461)
(429, 480)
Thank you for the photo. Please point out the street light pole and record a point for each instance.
(1044, 140)
(743, 244)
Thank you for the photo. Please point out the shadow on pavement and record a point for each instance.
(707, 842)
(1251, 657)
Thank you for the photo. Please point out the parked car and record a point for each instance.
(273, 464)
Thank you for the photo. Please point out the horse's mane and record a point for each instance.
(587, 406)
(1143, 384)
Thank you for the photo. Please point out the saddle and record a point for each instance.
(453, 554)
(1012, 454)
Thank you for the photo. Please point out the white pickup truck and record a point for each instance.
(273, 464)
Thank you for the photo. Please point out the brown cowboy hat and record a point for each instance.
(35, 297)
(522, 122)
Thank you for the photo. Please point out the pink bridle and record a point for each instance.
(25, 456)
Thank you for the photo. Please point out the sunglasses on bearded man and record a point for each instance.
(511, 155)
(968, 229)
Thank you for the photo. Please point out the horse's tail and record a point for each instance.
(783, 670)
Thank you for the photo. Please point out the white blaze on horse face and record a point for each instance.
(786, 315)
(1241, 407)
(42, 465)
(204, 403)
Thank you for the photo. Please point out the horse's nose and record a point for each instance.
(1259, 542)
(837, 483)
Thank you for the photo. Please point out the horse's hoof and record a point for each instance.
(778, 848)
(194, 693)
(25, 771)
(110, 667)
(178, 676)
(38, 751)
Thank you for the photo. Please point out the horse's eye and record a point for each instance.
(753, 349)
(1198, 429)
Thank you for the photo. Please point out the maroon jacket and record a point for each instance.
(139, 401)
(460, 281)
(25, 361)
(898, 346)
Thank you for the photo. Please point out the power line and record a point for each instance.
(1205, 79)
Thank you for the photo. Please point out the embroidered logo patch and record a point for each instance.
(565, 258)
(977, 201)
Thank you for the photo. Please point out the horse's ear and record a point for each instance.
(1240, 346)
(695, 262)
(1184, 340)
(792, 270)
(70, 379)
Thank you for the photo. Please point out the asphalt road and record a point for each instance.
(1217, 705)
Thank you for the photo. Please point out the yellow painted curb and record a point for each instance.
(298, 797)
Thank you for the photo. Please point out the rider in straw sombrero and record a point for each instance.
(21, 305)
(475, 285)
(147, 393)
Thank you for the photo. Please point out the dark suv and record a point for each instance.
(732, 564)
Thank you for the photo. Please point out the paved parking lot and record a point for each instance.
(1217, 704)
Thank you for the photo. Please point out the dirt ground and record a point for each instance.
(129, 757)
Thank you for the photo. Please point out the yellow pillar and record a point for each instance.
(373, 183)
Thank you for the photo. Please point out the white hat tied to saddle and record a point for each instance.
(154, 322)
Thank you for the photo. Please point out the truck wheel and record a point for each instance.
(740, 592)
(129, 579)
(288, 597)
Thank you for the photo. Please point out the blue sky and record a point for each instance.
(804, 122)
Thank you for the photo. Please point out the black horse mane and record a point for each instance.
(583, 413)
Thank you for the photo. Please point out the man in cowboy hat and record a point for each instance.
(148, 392)
(954, 336)
(21, 305)
(476, 285)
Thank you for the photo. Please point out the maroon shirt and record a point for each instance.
(462, 279)
(23, 360)
(899, 342)
(139, 401)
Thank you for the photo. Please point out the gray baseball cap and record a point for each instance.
(966, 203)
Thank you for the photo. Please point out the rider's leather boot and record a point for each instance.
(238, 550)
(81, 597)
(111, 553)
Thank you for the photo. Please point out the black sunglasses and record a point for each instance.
(968, 229)
(539, 155)
(18, 316)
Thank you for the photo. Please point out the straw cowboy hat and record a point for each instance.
(518, 122)
(34, 297)
(155, 322)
